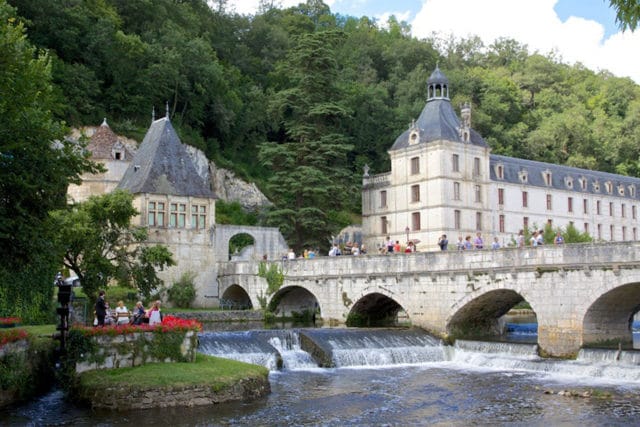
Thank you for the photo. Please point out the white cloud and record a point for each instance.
(536, 24)
(384, 17)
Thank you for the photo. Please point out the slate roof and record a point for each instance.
(102, 143)
(438, 120)
(163, 166)
(560, 175)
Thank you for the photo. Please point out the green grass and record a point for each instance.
(38, 330)
(210, 371)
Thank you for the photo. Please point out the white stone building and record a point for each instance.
(444, 180)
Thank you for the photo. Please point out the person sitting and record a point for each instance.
(138, 314)
(122, 314)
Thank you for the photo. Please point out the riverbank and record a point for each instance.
(210, 380)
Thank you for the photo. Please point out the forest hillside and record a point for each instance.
(298, 100)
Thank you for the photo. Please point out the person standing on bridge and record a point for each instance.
(478, 243)
(443, 242)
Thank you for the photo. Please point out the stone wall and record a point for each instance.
(134, 350)
(222, 316)
(124, 398)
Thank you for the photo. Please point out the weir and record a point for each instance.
(375, 348)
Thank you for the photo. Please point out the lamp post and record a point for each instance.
(407, 231)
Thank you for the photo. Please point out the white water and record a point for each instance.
(358, 348)
(293, 357)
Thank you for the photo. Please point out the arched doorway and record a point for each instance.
(241, 247)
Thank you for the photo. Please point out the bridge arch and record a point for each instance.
(267, 241)
(375, 309)
(235, 296)
(478, 315)
(292, 301)
(609, 317)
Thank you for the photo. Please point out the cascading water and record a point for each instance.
(243, 346)
(287, 343)
(378, 347)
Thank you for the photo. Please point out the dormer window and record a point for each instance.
(583, 183)
(413, 137)
(632, 191)
(546, 175)
(523, 176)
(621, 190)
(608, 186)
(596, 186)
(500, 171)
(568, 182)
(118, 155)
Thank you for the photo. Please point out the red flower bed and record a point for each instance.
(9, 320)
(11, 335)
(169, 324)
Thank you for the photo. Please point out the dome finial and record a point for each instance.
(104, 122)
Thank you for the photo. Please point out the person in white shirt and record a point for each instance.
(122, 314)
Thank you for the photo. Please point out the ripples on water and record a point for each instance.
(448, 391)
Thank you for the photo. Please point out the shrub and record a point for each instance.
(183, 292)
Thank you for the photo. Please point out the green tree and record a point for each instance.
(627, 13)
(100, 244)
(36, 166)
(309, 165)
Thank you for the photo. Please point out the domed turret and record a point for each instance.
(437, 85)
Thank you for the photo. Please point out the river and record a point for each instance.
(393, 378)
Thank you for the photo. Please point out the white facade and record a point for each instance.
(444, 180)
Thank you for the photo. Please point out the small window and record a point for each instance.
(500, 171)
(568, 182)
(623, 211)
(177, 215)
(155, 214)
(608, 187)
(586, 227)
(624, 233)
(524, 177)
(415, 165)
(525, 222)
(596, 186)
(633, 211)
(383, 225)
(525, 199)
(598, 207)
(549, 202)
(547, 178)
(198, 216)
(476, 166)
(415, 221)
(599, 227)
(478, 221)
(478, 193)
(501, 196)
(383, 199)
(570, 204)
(583, 183)
(501, 224)
(635, 233)
(610, 208)
(585, 206)
(456, 191)
(550, 222)
(118, 155)
(611, 232)
(456, 220)
(415, 193)
(632, 191)
(621, 190)
(455, 163)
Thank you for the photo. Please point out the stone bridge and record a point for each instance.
(582, 293)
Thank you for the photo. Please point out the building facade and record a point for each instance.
(444, 180)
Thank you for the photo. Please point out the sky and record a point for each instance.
(576, 30)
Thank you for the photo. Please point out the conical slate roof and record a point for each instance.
(163, 166)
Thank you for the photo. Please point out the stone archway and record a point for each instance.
(294, 301)
(376, 309)
(236, 298)
(480, 316)
(607, 321)
(242, 247)
(267, 241)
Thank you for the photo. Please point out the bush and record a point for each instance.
(183, 292)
